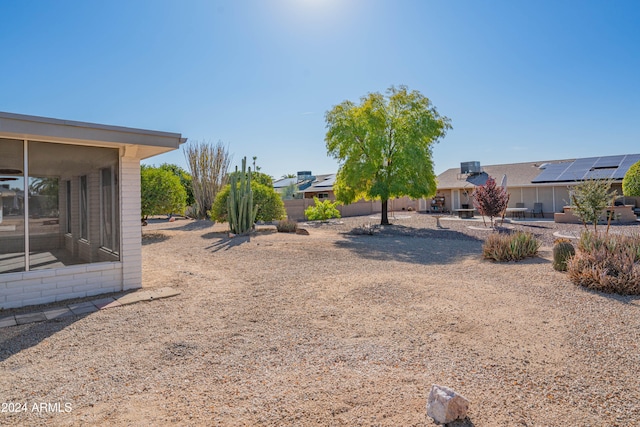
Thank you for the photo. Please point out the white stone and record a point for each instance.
(445, 405)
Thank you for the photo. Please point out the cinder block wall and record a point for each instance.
(45, 286)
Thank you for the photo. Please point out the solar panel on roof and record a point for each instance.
(588, 168)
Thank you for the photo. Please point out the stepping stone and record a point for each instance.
(23, 319)
(57, 313)
(7, 321)
(104, 303)
(82, 308)
(165, 292)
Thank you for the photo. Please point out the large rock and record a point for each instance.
(445, 405)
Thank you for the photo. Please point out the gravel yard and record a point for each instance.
(335, 329)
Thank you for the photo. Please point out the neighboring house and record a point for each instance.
(546, 182)
(321, 186)
(77, 233)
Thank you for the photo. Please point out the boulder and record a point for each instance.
(445, 405)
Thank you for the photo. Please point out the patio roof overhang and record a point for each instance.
(138, 143)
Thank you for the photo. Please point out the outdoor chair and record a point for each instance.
(519, 214)
(537, 210)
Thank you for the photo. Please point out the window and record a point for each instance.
(323, 195)
(84, 208)
(109, 232)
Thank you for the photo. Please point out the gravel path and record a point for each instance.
(334, 329)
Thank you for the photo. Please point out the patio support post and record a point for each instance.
(25, 176)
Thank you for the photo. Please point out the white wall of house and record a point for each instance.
(104, 271)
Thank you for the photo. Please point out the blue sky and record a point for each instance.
(520, 80)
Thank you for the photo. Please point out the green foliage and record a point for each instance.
(490, 199)
(161, 192)
(266, 199)
(562, 251)
(289, 191)
(241, 212)
(185, 179)
(607, 263)
(631, 181)
(384, 146)
(591, 198)
(287, 226)
(322, 210)
(510, 247)
(208, 165)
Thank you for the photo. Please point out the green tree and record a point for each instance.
(269, 202)
(185, 179)
(289, 175)
(384, 146)
(161, 191)
(322, 210)
(289, 191)
(631, 181)
(591, 198)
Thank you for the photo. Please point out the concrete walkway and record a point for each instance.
(86, 307)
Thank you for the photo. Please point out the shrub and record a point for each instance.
(490, 200)
(510, 247)
(287, 226)
(607, 263)
(631, 181)
(322, 210)
(270, 205)
(591, 198)
(562, 251)
(160, 192)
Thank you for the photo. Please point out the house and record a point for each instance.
(321, 187)
(545, 182)
(74, 231)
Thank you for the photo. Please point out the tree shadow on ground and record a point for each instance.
(151, 238)
(419, 246)
(225, 243)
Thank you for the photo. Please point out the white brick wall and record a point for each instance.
(45, 286)
(77, 281)
(130, 224)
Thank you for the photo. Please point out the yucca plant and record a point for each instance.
(607, 263)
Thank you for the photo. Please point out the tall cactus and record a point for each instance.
(242, 213)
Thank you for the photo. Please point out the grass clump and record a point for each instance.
(510, 247)
(287, 226)
(607, 263)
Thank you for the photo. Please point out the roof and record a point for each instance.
(284, 182)
(608, 167)
(142, 143)
(518, 175)
(322, 183)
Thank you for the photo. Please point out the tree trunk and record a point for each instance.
(385, 213)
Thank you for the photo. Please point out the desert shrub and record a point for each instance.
(510, 247)
(161, 192)
(591, 198)
(631, 181)
(322, 210)
(490, 200)
(607, 263)
(268, 201)
(287, 226)
(562, 250)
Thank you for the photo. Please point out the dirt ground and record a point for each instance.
(334, 329)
